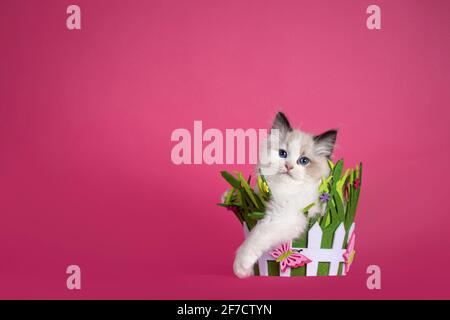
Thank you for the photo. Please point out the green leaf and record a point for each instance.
(326, 219)
(331, 164)
(256, 215)
(354, 198)
(240, 200)
(306, 209)
(339, 206)
(340, 184)
(313, 220)
(230, 179)
(337, 172)
(249, 190)
(225, 205)
(324, 185)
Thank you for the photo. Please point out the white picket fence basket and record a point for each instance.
(333, 256)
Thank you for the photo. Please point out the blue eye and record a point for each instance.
(282, 153)
(303, 161)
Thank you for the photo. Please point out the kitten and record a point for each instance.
(293, 163)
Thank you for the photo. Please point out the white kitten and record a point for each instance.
(293, 163)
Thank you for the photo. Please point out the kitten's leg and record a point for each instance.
(267, 234)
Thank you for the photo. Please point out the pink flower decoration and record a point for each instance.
(357, 183)
(349, 253)
(287, 257)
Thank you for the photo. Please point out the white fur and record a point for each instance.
(291, 192)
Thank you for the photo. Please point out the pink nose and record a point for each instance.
(289, 167)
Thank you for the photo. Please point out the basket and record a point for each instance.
(327, 246)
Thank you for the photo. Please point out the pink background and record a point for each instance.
(86, 118)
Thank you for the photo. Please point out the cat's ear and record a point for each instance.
(324, 143)
(281, 123)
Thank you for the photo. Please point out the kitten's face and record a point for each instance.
(293, 156)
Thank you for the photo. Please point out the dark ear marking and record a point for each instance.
(324, 143)
(281, 123)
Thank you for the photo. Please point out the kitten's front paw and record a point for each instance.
(243, 266)
(240, 271)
